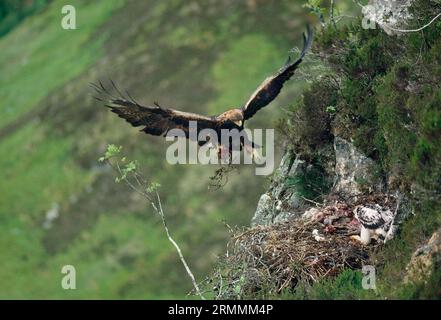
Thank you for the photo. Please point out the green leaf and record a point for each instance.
(331, 109)
(153, 187)
(112, 151)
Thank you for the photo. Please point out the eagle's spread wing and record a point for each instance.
(272, 86)
(156, 120)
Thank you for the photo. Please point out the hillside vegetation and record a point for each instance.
(59, 206)
(383, 96)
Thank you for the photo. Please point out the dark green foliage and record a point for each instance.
(386, 97)
(409, 114)
(389, 96)
(12, 12)
(367, 58)
(311, 183)
(394, 120)
(347, 285)
(310, 124)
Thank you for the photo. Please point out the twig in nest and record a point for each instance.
(313, 202)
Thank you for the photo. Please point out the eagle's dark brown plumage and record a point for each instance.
(158, 120)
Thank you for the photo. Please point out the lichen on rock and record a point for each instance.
(353, 170)
(389, 15)
(424, 260)
(343, 170)
(288, 194)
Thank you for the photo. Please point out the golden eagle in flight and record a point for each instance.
(158, 121)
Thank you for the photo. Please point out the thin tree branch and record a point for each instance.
(157, 207)
(178, 249)
(331, 13)
(412, 30)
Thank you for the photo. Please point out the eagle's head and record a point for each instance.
(234, 115)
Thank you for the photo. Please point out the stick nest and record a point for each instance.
(275, 258)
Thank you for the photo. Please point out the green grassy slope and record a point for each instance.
(190, 55)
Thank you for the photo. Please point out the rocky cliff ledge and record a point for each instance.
(346, 174)
(360, 181)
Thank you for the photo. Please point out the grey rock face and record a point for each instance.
(284, 198)
(353, 170)
(263, 214)
(425, 260)
(279, 202)
(388, 14)
(353, 176)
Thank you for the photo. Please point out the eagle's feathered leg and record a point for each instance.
(364, 237)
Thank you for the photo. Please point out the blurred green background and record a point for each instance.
(58, 206)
